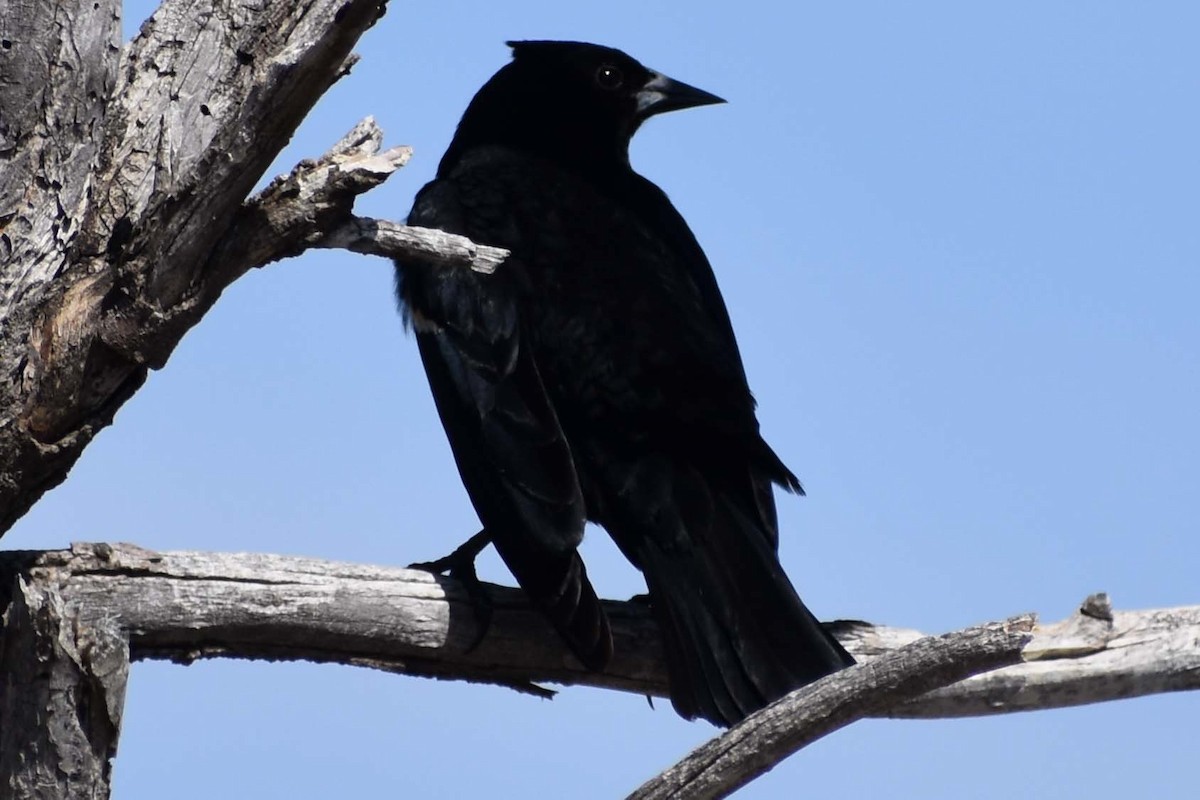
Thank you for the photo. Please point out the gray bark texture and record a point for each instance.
(62, 689)
(185, 606)
(75, 618)
(125, 173)
(762, 740)
(124, 180)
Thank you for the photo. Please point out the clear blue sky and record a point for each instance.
(960, 246)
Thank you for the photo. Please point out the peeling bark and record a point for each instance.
(123, 176)
(62, 690)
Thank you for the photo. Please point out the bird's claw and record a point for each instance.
(460, 565)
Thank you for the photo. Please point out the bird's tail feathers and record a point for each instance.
(737, 636)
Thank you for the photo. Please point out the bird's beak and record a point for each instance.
(661, 94)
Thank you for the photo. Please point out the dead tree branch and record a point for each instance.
(377, 237)
(124, 173)
(124, 209)
(184, 606)
(76, 617)
(765, 738)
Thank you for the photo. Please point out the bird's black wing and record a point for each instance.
(736, 407)
(506, 439)
(653, 205)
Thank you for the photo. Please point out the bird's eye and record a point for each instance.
(609, 77)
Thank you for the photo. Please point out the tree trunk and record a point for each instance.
(62, 689)
(123, 176)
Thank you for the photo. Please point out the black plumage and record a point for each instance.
(595, 376)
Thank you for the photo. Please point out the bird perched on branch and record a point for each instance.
(595, 377)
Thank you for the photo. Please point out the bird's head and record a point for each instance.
(570, 101)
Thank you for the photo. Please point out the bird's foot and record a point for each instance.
(460, 565)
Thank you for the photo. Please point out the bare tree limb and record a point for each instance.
(1095, 655)
(310, 207)
(378, 237)
(295, 211)
(184, 606)
(123, 176)
(766, 737)
(75, 617)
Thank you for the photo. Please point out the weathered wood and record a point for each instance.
(57, 68)
(62, 690)
(378, 237)
(1095, 655)
(296, 210)
(310, 207)
(55, 76)
(75, 617)
(123, 176)
(184, 606)
(765, 738)
(123, 182)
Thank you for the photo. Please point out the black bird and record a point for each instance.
(595, 377)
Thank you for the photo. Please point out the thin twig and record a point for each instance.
(378, 237)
